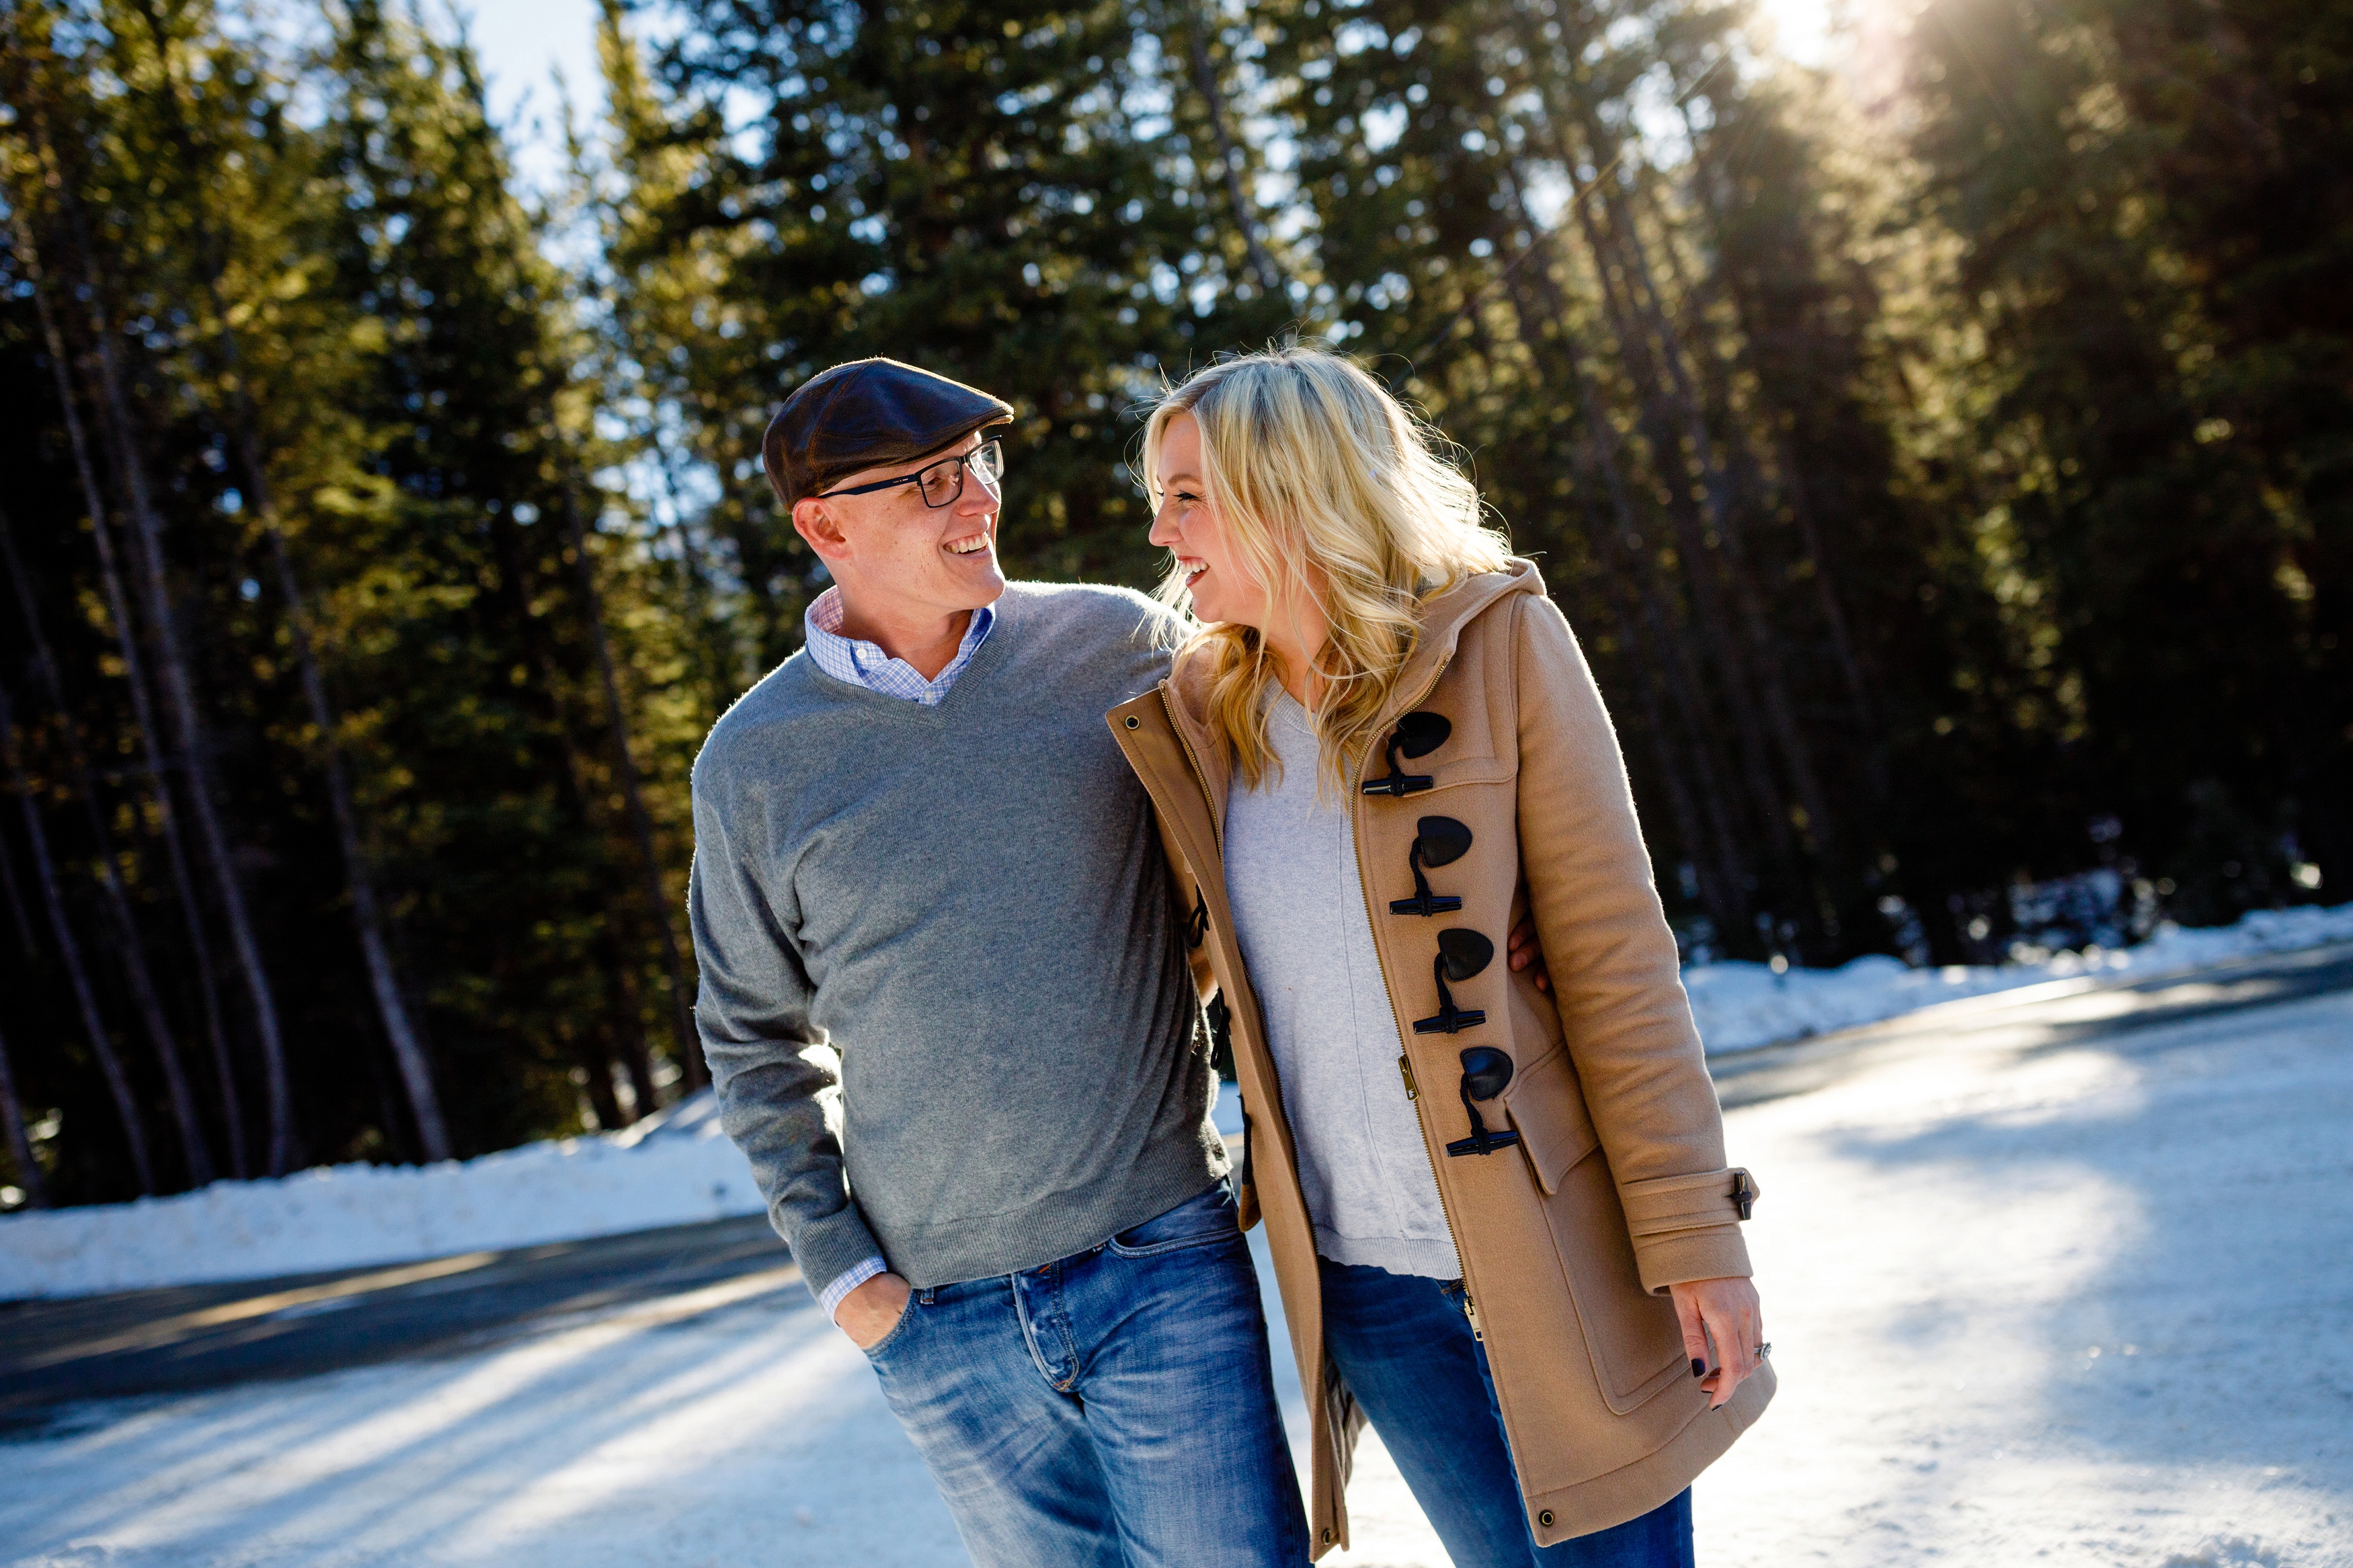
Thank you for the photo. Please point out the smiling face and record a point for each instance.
(1189, 526)
(900, 561)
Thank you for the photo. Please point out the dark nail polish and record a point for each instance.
(1699, 1367)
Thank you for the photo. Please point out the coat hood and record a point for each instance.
(1442, 620)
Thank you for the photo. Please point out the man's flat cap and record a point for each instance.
(869, 413)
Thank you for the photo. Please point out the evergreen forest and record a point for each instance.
(1945, 458)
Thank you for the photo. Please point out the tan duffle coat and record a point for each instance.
(1618, 1187)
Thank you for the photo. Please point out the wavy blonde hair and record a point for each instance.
(1328, 483)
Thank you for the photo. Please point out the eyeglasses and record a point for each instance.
(942, 482)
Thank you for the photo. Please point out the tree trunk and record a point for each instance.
(118, 1084)
(1797, 753)
(415, 1072)
(1685, 679)
(20, 1142)
(1701, 566)
(193, 1147)
(724, 677)
(1716, 853)
(179, 684)
(15, 894)
(596, 1083)
(689, 1050)
(179, 687)
(1717, 893)
(629, 1043)
(563, 760)
(1229, 157)
(1612, 237)
(143, 708)
(1665, 429)
(1710, 292)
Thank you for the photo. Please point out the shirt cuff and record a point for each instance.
(850, 1279)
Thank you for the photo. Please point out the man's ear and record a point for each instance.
(815, 523)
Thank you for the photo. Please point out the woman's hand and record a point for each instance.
(1523, 949)
(1729, 1312)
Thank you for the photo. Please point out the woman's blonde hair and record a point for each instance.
(1328, 482)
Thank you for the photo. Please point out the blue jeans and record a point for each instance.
(1115, 1408)
(1407, 1350)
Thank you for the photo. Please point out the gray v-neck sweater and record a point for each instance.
(969, 905)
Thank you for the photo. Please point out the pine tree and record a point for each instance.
(2170, 576)
(1006, 194)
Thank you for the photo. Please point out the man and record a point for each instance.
(917, 844)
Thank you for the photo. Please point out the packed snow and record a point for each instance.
(1740, 1006)
(346, 1216)
(2050, 1292)
(679, 1168)
(2056, 1286)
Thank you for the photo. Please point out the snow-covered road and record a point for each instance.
(678, 1168)
(2059, 1286)
(2069, 1291)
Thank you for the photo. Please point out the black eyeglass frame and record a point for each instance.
(963, 463)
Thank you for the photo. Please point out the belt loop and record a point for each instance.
(924, 1295)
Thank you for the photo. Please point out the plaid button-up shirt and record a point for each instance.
(861, 663)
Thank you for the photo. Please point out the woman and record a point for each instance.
(1502, 1221)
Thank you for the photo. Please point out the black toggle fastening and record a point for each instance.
(1418, 735)
(1485, 1072)
(1744, 1193)
(1438, 841)
(1461, 954)
(1221, 1034)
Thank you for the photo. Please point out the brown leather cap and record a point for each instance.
(867, 414)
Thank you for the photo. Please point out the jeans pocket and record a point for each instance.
(890, 1340)
(1197, 1222)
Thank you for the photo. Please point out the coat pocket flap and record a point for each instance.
(1547, 1109)
(1665, 1205)
(1472, 771)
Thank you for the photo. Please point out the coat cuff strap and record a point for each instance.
(1666, 1204)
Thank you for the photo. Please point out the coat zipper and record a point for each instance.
(1445, 1208)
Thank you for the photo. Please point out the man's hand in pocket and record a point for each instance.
(869, 1312)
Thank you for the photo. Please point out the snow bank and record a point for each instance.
(346, 1216)
(675, 1169)
(1740, 1006)
(682, 1169)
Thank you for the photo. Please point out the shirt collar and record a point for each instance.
(856, 661)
